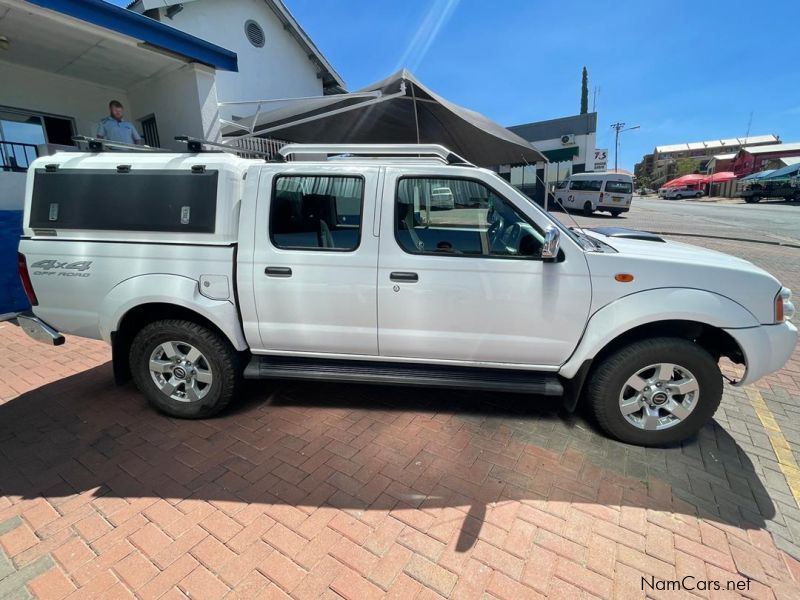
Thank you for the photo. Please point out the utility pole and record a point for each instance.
(618, 128)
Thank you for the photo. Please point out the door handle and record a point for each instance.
(404, 276)
(278, 272)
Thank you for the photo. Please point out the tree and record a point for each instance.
(584, 92)
(686, 166)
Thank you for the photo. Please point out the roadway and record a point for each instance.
(777, 222)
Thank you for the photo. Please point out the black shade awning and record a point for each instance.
(400, 111)
(561, 154)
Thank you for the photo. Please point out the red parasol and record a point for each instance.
(691, 179)
(721, 177)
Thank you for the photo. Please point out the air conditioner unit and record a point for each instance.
(568, 139)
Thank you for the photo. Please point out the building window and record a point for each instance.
(21, 132)
(254, 33)
(150, 131)
(316, 212)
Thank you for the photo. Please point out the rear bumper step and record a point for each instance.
(38, 329)
(421, 375)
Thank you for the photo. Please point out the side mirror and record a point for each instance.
(552, 238)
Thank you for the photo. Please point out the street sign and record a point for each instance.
(601, 159)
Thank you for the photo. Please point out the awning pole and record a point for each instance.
(416, 118)
(546, 191)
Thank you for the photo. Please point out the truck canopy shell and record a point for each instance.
(156, 197)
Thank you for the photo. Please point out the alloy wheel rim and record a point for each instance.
(659, 396)
(180, 371)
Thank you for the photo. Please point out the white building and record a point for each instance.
(276, 57)
(567, 142)
(62, 61)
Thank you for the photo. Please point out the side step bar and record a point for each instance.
(422, 375)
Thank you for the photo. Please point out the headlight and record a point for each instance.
(784, 309)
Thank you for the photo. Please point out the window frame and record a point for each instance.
(143, 127)
(274, 187)
(525, 218)
(41, 115)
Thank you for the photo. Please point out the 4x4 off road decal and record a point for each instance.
(64, 269)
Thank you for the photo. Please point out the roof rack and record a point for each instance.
(101, 145)
(195, 145)
(395, 150)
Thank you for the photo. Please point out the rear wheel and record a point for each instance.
(752, 199)
(587, 209)
(655, 392)
(698, 194)
(615, 213)
(184, 369)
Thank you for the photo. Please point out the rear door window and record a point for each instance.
(619, 187)
(316, 212)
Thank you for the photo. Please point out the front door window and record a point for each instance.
(461, 217)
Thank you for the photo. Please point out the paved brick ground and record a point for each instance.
(326, 491)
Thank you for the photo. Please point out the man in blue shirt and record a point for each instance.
(116, 129)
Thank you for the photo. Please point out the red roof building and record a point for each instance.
(754, 159)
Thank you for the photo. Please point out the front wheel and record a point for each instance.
(655, 392)
(185, 369)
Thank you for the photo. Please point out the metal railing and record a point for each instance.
(17, 156)
(260, 147)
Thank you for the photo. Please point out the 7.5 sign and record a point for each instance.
(601, 159)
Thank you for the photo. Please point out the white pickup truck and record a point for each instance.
(200, 269)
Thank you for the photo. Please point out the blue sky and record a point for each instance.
(683, 70)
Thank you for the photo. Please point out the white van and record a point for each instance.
(589, 192)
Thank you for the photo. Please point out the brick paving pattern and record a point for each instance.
(329, 491)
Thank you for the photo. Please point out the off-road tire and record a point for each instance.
(224, 361)
(587, 209)
(607, 378)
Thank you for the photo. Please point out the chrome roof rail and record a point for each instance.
(393, 150)
(103, 145)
